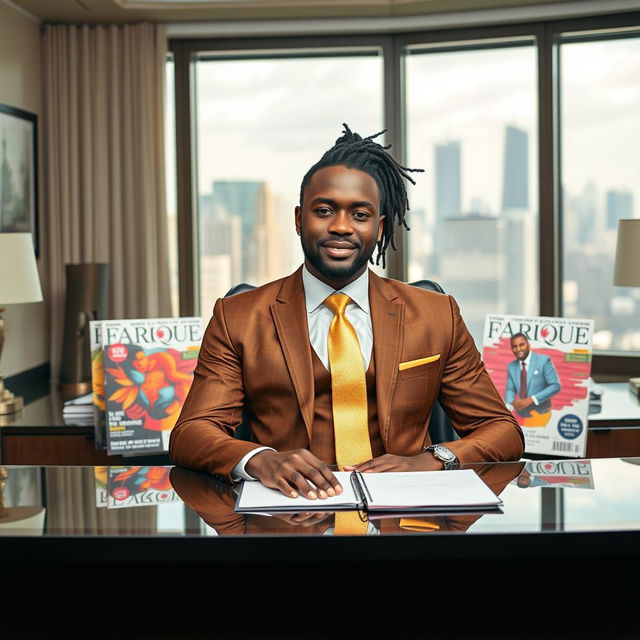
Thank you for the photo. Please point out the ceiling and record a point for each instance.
(94, 11)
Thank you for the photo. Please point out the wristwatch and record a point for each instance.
(446, 456)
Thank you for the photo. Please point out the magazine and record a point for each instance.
(97, 384)
(541, 367)
(556, 474)
(139, 487)
(148, 370)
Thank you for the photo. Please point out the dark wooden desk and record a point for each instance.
(557, 562)
(39, 436)
(615, 430)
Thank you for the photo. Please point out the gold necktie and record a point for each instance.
(348, 387)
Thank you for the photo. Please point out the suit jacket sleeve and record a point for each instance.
(550, 376)
(488, 430)
(203, 436)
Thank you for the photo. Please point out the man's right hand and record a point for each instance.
(294, 473)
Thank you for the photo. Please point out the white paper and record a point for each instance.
(406, 490)
(426, 489)
(255, 496)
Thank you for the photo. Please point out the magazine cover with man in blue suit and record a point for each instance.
(541, 367)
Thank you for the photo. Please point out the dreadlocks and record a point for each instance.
(355, 152)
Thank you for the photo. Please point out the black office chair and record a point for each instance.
(440, 427)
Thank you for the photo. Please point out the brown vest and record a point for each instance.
(322, 439)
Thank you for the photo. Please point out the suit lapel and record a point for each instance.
(290, 317)
(387, 320)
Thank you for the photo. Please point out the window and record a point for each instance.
(600, 151)
(254, 145)
(471, 123)
(529, 135)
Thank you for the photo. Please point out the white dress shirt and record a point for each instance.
(319, 318)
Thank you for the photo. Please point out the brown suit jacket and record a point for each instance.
(255, 364)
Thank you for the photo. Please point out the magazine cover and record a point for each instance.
(148, 370)
(139, 487)
(541, 367)
(101, 475)
(556, 474)
(97, 384)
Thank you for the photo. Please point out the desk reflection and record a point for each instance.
(214, 502)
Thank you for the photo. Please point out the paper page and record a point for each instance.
(426, 489)
(256, 497)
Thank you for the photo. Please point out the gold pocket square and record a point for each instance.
(416, 363)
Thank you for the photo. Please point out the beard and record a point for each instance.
(337, 270)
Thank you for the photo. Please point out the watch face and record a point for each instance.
(444, 454)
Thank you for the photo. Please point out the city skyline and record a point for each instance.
(467, 96)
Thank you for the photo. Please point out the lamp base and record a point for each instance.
(8, 402)
(71, 390)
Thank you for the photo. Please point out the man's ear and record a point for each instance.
(380, 227)
(298, 218)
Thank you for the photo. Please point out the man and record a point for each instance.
(531, 382)
(347, 379)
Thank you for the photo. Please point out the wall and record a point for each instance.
(26, 333)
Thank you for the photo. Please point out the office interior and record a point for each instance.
(558, 221)
(523, 114)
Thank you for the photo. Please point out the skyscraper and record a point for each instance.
(448, 190)
(515, 186)
(448, 193)
(251, 203)
(474, 267)
(520, 242)
(619, 206)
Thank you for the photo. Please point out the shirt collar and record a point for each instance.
(316, 291)
(527, 360)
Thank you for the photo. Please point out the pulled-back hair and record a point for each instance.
(355, 152)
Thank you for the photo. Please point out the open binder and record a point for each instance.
(408, 492)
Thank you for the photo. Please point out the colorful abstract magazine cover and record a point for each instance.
(541, 368)
(101, 475)
(556, 474)
(148, 368)
(97, 384)
(139, 487)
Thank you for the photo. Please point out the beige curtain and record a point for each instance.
(103, 125)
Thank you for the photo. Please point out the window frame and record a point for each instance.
(547, 37)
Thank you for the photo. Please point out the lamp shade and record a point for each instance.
(19, 281)
(627, 268)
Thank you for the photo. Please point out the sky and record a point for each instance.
(271, 119)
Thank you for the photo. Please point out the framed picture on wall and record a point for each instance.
(19, 172)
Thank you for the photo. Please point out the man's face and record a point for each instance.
(339, 224)
(520, 347)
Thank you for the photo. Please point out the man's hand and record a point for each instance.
(294, 473)
(522, 403)
(389, 462)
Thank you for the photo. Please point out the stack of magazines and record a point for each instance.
(78, 410)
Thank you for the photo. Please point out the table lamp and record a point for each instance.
(627, 266)
(19, 283)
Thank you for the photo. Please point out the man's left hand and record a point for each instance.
(522, 403)
(389, 462)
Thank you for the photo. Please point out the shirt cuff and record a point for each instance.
(239, 473)
(535, 400)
